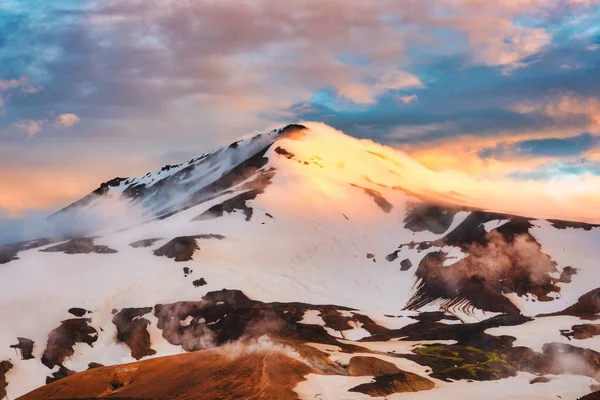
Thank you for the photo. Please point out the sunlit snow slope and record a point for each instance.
(331, 249)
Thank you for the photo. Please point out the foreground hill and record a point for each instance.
(298, 263)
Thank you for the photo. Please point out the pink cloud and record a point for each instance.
(67, 120)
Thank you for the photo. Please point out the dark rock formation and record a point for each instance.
(144, 243)
(182, 248)
(199, 282)
(385, 205)
(62, 339)
(427, 217)
(405, 265)
(78, 312)
(370, 366)
(132, 330)
(401, 382)
(514, 265)
(586, 307)
(25, 348)
(83, 245)
(5, 366)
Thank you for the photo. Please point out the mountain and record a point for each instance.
(298, 263)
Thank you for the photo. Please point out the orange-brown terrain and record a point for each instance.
(252, 370)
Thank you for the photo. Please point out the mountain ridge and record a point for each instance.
(327, 250)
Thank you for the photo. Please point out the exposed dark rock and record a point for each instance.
(567, 273)
(24, 347)
(132, 330)
(60, 374)
(79, 246)
(284, 152)
(242, 172)
(472, 335)
(586, 307)
(515, 265)
(144, 243)
(8, 252)
(238, 202)
(574, 225)
(591, 396)
(78, 312)
(540, 379)
(227, 315)
(401, 382)
(405, 265)
(392, 256)
(93, 365)
(433, 316)
(62, 339)
(293, 130)
(182, 248)
(583, 331)
(5, 366)
(199, 282)
(371, 366)
(427, 217)
(385, 205)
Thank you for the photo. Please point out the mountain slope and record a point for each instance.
(327, 245)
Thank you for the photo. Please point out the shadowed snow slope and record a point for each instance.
(329, 248)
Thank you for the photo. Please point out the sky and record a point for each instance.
(93, 89)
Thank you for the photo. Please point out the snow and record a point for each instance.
(494, 224)
(312, 317)
(534, 334)
(313, 250)
(328, 387)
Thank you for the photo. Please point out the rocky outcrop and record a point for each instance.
(62, 339)
(83, 245)
(24, 347)
(401, 382)
(182, 248)
(132, 330)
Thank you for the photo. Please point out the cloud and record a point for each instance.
(205, 71)
(568, 107)
(367, 93)
(67, 120)
(8, 87)
(26, 128)
(30, 128)
(558, 170)
(408, 99)
(547, 147)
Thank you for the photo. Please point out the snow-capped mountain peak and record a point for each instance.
(325, 258)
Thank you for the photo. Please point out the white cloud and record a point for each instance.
(408, 99)
(29, 128)
(67, 120)
(7, 86)
(565, 107)
(26, 127)
(367, 93)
